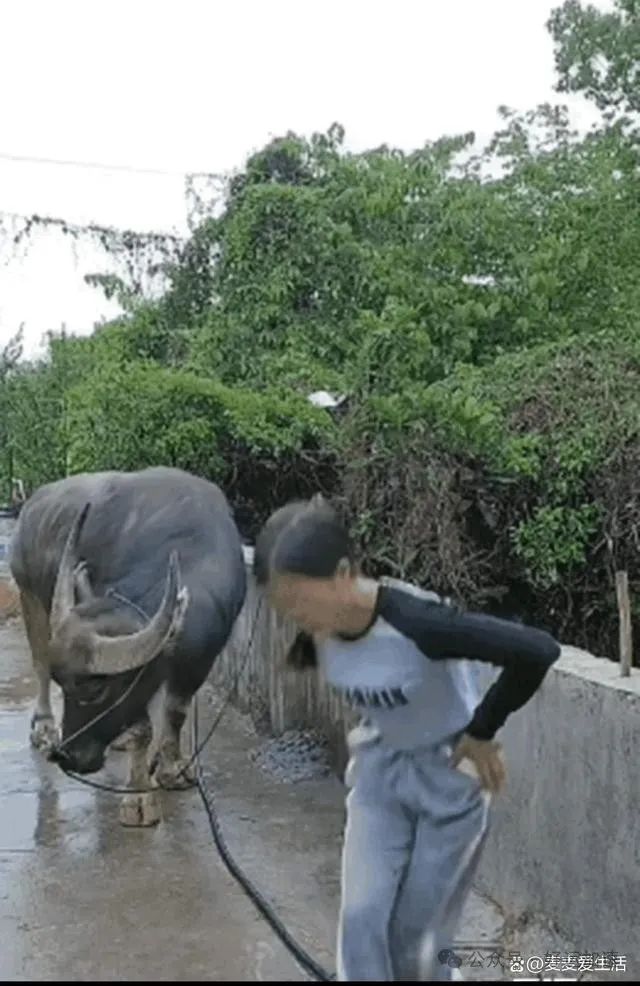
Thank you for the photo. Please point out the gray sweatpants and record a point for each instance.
(414, 834)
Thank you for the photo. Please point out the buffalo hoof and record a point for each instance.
(44, 733)
(174, 775)
(140, 810)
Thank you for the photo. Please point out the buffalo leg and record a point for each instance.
(140, 808)
(44, 733)
(170, 769)
(125, 741)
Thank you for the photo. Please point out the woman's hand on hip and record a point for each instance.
(486, 759)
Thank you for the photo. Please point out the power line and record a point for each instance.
(67, 226)
(97, 166)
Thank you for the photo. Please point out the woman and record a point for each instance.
(415, 821)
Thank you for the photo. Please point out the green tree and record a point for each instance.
(36, 408)
(481, 311)
(10, 356)
(597, 53)
(261, 448)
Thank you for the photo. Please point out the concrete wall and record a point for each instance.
(276, 697)
(9, 602)
(566, 833)
(7, 527)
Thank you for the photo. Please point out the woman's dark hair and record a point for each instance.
(302, 538)
(302, 656)
(268, 536)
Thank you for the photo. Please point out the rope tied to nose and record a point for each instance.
(83, 729)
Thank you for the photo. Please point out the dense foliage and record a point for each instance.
(480, 310)
(513, 484)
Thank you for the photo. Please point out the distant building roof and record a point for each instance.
(322, 398)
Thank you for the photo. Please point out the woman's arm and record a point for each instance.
(442, 632)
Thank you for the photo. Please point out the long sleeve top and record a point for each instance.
(409, 673)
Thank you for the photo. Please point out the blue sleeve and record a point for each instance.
(443, 632)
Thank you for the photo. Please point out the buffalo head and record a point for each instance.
(102, 653)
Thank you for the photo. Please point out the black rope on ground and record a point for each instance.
(296, 950)
(299, 954)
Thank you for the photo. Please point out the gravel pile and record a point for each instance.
(295, 756)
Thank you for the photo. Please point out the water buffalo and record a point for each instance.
(128, 581)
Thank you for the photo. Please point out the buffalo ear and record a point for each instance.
(302, 655)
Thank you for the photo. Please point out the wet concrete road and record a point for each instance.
(83, 898)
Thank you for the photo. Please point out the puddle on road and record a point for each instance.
(34, 800)
(17, 682)
(17, 691)
(31, 820)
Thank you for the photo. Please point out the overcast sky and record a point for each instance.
(196, 85)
